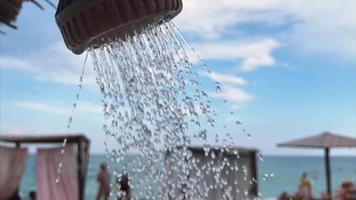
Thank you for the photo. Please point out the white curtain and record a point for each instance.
(48, 161)
(12, 165)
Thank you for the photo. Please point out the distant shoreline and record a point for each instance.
(274, 155)
(264, 155)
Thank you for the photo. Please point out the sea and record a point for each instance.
(277, 174)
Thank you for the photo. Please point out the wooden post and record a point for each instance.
(253, 168)
(18, 145)
(80, 170)
(328, 171)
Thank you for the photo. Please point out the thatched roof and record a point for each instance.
(10, 9)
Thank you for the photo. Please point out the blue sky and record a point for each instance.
(288, 69)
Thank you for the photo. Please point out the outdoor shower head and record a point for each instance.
(85, 23)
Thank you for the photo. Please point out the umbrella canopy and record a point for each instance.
(323, 140)
(326, 141)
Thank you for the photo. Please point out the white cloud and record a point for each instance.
(43, 107)
(233, 95)
(210, 18)
(319, 27)
(325, 27)
(230, 91)
(11, 62)
(225, 78)
(19, 129)
(88, 107)
(55, 63)
(252, 55)
(83, 107)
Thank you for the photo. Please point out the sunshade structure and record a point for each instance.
(326, 141)
(80, 141)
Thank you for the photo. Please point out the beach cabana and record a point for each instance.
(326, 141)
(74, 161)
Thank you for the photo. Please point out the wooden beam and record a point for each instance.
(254, 174)
(85, 161)
(80, 171)
(34, 139)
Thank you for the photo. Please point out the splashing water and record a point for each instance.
(70, 118)
(151, 99)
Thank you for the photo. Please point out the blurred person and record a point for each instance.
(344, 192)
(304, 188)
(353, 192)
(325, 196)
(32, 195)
(284, 196)
(124, 187)
(103, 178)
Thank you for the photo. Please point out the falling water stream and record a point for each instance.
(151, 100)
(155, 107)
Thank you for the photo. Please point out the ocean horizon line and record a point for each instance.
(264, 155)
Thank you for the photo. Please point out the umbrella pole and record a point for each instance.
(328, 171)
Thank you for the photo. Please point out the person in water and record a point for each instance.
(304, 188)
(124, 187)
(103, 179)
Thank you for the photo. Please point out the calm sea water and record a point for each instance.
(286, 174)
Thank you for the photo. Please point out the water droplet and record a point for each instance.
(64, 142)
(249, 136)
(260, 157)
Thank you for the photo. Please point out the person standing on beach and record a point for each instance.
(304, 188)
(32, 195)
(103, 178)
(124, 187)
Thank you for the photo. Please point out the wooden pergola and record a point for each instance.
(81, 141)
(326, 141)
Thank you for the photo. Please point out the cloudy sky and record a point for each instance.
(288, 69)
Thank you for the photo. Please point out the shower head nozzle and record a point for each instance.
(84, 23)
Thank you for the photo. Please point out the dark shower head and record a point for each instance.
(85, 23)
